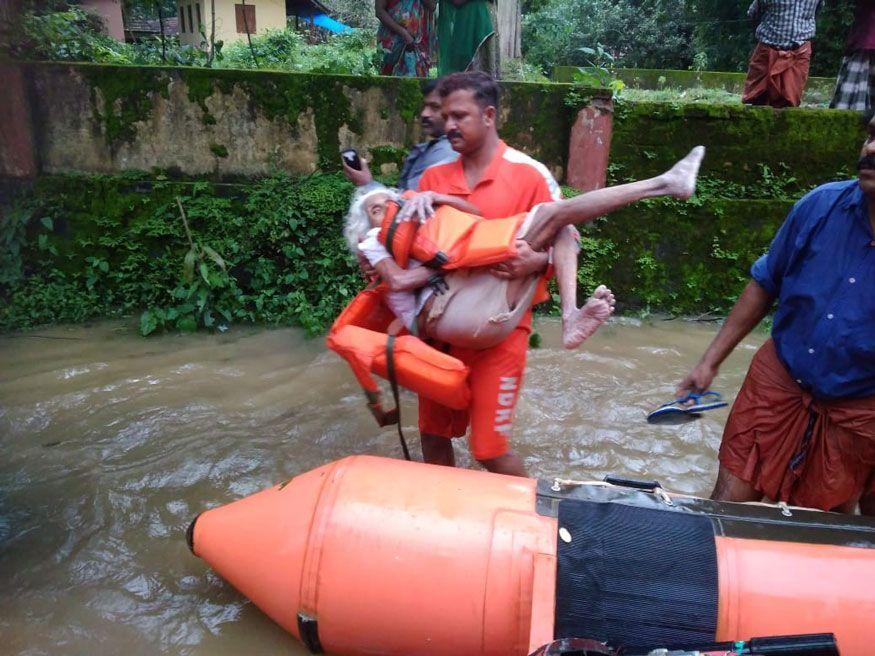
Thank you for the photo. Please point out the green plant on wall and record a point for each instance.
(207, 296)
(187, 255)
(117, 245)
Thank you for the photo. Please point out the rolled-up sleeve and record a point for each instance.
(769, 270)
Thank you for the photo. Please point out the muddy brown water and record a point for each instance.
(111, 443)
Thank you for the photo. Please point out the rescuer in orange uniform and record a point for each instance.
(500, 182)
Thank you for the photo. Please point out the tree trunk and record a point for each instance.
(509, 29)
(212, 33)
(163, 37)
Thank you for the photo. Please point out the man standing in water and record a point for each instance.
(802, 429)
(500, 182)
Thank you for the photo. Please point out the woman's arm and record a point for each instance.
(400, 280)
(421, 205)
(458, 203)
(386, 19)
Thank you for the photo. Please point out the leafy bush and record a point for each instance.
(77, 247)
(636, 33)
(354, 53)
(75, 35)
(675, 34)
(71, 35)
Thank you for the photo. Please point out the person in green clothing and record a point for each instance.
(464, 30)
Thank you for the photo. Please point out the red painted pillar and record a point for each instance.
(17, 151)
(589, 147)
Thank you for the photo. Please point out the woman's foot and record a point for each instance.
(680, 179)
(579, 324)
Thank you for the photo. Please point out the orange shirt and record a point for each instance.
(513, 183)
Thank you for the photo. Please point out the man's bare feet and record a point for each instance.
(579, 324)
(680, 179)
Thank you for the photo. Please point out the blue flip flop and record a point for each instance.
(678, 412)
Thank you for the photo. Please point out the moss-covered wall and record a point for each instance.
(81, 247)
(651, 78)
(682, 258)
(238, 123)
(811, 145)
(232, 123)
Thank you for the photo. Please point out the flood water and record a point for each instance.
(111, 443)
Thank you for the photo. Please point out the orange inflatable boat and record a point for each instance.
(374, 556)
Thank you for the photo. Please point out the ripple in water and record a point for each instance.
(112, 443)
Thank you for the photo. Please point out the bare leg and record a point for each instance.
(679, 181)
(577, 324)
(437, 450)
(510, 464)
(731, 488)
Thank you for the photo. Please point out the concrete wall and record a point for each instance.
(226, 123)
(235, 123)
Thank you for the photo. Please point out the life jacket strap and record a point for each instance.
(383, 417)
(393, 382)
(393, 228)
(438, 260)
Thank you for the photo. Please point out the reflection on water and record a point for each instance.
(112, 443)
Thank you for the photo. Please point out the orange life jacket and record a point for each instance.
(451, 239)
(359, 337)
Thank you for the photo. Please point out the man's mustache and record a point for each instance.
(866, 162)
(454, 134)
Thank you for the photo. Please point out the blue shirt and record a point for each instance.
(428, 153)
(821, 268)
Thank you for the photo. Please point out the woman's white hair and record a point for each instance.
(357, 224)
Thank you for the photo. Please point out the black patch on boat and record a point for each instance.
(308, 629)
(635, 576)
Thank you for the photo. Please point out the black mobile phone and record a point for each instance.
(351, 157)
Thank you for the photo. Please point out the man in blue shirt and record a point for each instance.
(435, 150)
(802, 429)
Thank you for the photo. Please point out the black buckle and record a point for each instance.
(438, 260)
(437, 283)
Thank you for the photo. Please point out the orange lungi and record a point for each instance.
(794, 448)
(777, 77)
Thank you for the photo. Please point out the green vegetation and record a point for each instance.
(687, 258)
(74, 35)
(723, 36)
(85, 247)
(348, 54)
(812, 143)
(190, 255)
(673, 34)
(670, 86)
